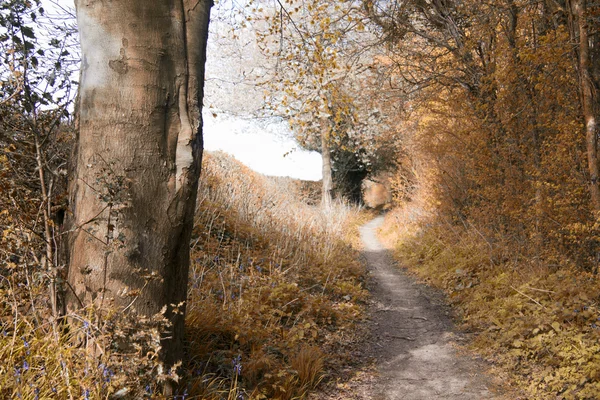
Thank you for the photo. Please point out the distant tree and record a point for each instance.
(323, 52)
(235, 68)
(138, 157)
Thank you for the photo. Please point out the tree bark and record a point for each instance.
(327, 194)
(588, 100)
(138, 156)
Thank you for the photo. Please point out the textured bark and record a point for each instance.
(138, 155)
(327, 194)
(588, 101)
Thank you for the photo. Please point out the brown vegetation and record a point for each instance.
(503, 216)
(273, 284)
(274, 291)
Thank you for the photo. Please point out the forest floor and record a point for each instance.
(411, 348)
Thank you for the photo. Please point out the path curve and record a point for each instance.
(411, 340)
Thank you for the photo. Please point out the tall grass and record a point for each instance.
(272, 286)
(537, 322)
(273, 282)
(272, 207)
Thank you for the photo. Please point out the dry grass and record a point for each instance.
(538, 323)
(273, 282)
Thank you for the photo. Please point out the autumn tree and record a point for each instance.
(323, 51)
(493, 87)
(39, 56)
(236, 68)
(138, 157)
(584, 32)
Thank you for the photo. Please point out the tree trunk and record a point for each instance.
(588, 99)
(327, 194)
(138, 156)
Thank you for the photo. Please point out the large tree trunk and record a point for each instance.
(588, 100)
(138, 156)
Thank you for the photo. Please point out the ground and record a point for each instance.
(411, 348)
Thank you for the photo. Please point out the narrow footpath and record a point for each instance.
(411, 343)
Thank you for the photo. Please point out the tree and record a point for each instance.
(588, 82)
(39, 56)
(323, 50)
(492, 87)
(138, 158)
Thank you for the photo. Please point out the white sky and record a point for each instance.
(265, 145)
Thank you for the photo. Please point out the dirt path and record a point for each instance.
(411, 343)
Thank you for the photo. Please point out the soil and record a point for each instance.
(410, 348)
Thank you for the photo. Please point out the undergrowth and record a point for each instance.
(275, 289)
(98, 354)
(274, 294)
(539, 323)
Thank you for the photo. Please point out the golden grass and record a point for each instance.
(538, 323)
(270, 280)
(268, 296)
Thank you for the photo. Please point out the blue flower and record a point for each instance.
(106, 372)
(237, 365)
(181, 396)
(25, 365)
(26, 344)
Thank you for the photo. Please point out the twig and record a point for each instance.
(529, 297)
(541, 290)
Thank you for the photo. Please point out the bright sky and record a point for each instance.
(265, 145)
